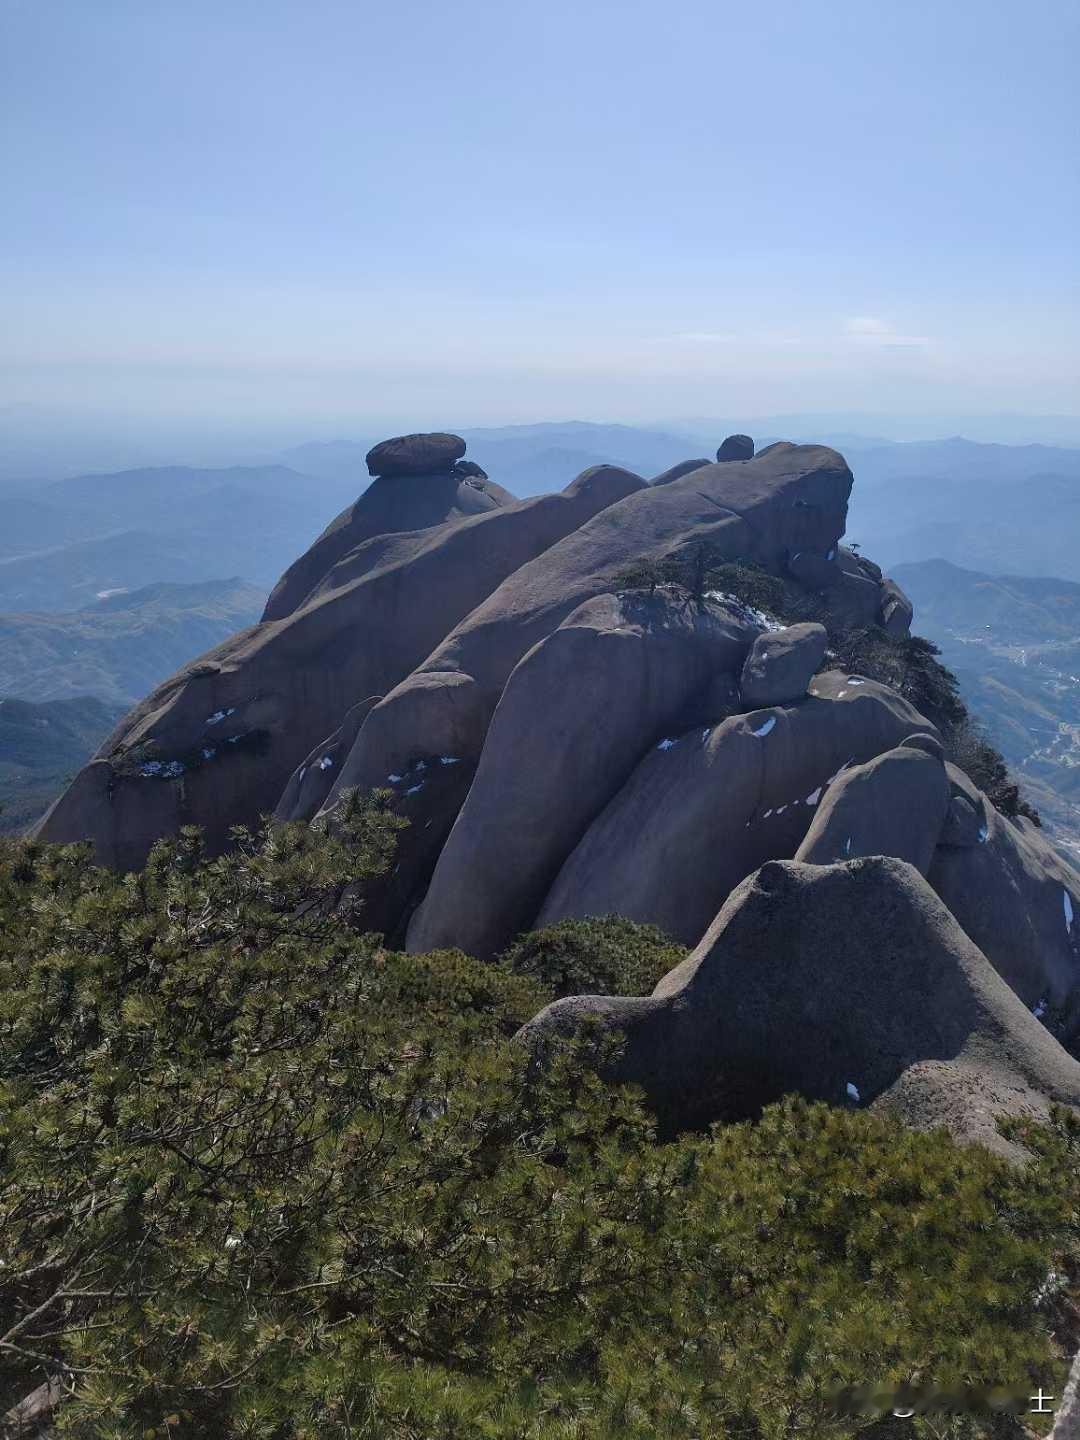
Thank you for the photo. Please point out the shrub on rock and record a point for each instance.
(609, 955)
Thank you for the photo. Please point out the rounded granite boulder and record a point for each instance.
(736, 447)
(429, 454)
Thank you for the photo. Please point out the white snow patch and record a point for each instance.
(666, 745)
(832, 554)
(1039, 1010)
(766, 727)
(150, 767)
(394, 778)
(415, 788)
(767, 814)
(300, 777)
(847, 846)
(852, 1092)
(841, 694)
(855, 680)
(984, 834)
(780, 809)
(231, 1242)
(814, 796)
(326, 762)
(421, 765)
(219, 715)
(209, 751)
(1067, 899)
(449, 760)
(705, 735)
(746, 612)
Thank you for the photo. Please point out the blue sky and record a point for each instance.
(489, 212)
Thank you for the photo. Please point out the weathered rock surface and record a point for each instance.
(893, 805)
(847, 983)
(424, 454)
(237, 722)
(684, 467)
(574, 718)
(1019, 901)
(815, 570)
(789, 497)
(896, 610)
(309, 785)
(781, 665)
(736, 447)
(386, 507)
(697, 817)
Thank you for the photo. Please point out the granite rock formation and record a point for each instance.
(847, 982)
(567, 741)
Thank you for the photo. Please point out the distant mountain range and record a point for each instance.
(62, 544)
(122, 645)
(527, 459)
(1014, 645)
(1003, 510)
(42, 747)
(994, 508)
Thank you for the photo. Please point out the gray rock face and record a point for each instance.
(309, 784)
(697, 817)
(788, 498)
(415, 454)
(847, 982)
(736, 447)
(264, 699)
(575, 717)
(684, 467)
(896, 610)
(893, 805)
(1019, 901)
(816, 570)
(386, 507)
(967, 821)
(781, 665)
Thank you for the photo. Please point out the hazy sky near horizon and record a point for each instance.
(487, 212)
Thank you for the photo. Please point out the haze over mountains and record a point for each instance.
(1014, 645)
(109, 581)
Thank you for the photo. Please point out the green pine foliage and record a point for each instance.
(609, 955)
(261, 1177)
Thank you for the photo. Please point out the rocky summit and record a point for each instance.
(685, 702)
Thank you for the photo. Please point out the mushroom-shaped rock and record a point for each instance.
(684, 467)
(429, 454)
(242, 718)
(573, 721)
(736, 447)
(824, 979)
(896, 610)
(894, 805)
(793, 497)
(1019, 901)
(781, 664)
(699, 815)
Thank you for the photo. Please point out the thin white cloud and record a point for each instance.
(697, 337)
(873, 330)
